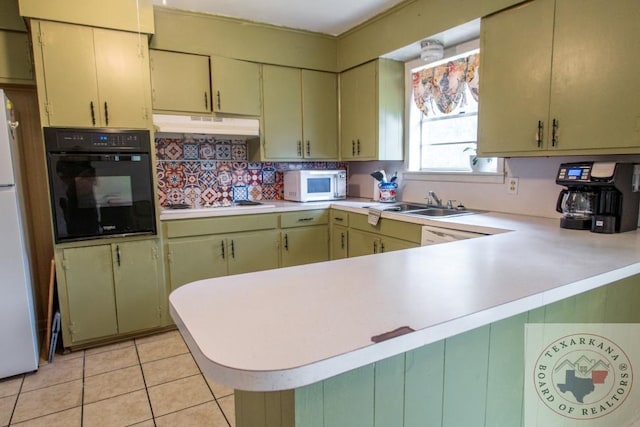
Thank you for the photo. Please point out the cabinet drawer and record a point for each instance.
(339, 217)
(388, 227)
(304, 218)
(226, 224)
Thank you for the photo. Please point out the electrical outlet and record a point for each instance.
(512, 186)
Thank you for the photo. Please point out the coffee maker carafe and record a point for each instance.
(577, 207)
(600, 196)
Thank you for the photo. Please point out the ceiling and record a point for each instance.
(332, 17)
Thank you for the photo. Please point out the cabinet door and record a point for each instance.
(122, 64)
(595, 81)
(16, 66)
(320, 114)
(252, 251)
(363, 243)
(358, 112)
(180, 82)
(515, 75)
(71, 88)
(305, 245)
(137, 285)
(90, 296)
(348, 113)
(236, 86)
(282, 112)
(196, 258)
(339, 242)
(389, 244)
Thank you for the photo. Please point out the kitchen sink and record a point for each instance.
(405, 207)
(440, 212)
(426, 210)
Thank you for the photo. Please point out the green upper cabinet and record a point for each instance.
(236, 86)
(15, 66)
(372, 111)
(90, 77)
(180, 82)
(555, 76)
(320, 115)
(300, 114)
(136, 16)
(282, 112)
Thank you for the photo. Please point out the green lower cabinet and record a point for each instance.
(365, 243)
(197, 258)
(138, 285)
(362, 243)
(252, 251)
(107, 290)
(90, 298)
(475, 378)
(304, 245)
(339, 242)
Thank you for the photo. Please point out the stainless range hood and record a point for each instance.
(240, 128)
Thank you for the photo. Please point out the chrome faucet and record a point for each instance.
(434, 196)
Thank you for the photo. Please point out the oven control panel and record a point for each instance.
(97, 140)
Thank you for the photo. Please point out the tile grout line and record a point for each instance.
(215, 399)
(84, 364)
(144, 380)
(15, 404)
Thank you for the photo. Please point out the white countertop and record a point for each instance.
(285, 328)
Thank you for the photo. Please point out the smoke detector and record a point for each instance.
(431, 50)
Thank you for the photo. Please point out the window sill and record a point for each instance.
(475, 177)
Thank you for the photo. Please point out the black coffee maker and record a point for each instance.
(600, 196)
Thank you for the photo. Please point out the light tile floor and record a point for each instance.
(152, 381)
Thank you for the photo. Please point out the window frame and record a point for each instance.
(497, 177)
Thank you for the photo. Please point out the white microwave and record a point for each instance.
(315, 185)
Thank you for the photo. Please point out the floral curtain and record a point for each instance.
(441, 89)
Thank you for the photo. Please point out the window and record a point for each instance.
(443, 116)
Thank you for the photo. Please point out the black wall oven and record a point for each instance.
(100, 182)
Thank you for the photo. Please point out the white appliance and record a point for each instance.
(18, 339)
(315, 185)
(239, 128)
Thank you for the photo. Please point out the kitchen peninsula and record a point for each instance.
(296, 343)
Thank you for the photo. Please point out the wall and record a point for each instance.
(214, 35)
(204, 170)
(537, 190)
(409, 22)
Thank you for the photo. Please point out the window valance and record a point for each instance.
(441, 89)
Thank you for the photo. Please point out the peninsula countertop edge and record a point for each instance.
(286, 328)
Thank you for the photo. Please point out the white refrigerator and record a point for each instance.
(18, 339)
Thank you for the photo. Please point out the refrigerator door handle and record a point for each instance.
(7, 185)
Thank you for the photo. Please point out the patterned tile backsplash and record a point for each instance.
(201, 170)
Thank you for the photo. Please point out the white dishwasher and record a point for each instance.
(436, 235)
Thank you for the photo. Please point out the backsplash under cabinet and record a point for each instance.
(203, 169)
